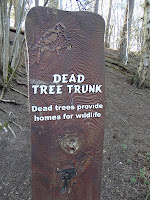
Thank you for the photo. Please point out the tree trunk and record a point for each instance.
(108, 25)
(60, 4)
(6, 60)
(101, 7)
(96, 5)
(145, 53)
(15, 48)
(36, 2)
(1, 35)
(131, 8)
(15, 11)
(5, 39)
(45, 2)
(123, 42)
(125, 36)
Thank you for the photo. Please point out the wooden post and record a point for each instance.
(66, 95)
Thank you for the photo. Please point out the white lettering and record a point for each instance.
(59, 87)
(35, 87)
(94, 106)
(88, 115)
(45, 109)
(98, 88)
(43, 89)
(64, 107)
(36, 118)
(72, 78)
(51, 89)
(70, 88)
(47, 118)
(91, 88)
(39, 109)
(34, 108)
(77, 89)
(57, 78)
(64, 78)
(65, 116)
(50, 108)
(81, 78)
(84, 88)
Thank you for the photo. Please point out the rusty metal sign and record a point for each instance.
(66, 95)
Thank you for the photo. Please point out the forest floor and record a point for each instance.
(126, 155)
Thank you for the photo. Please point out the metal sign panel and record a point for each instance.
(66, 95)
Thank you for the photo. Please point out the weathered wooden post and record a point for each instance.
(66, 94)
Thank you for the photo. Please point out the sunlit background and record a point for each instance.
(116, 21)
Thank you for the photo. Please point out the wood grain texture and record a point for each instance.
(66, 153)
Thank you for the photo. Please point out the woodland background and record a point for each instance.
(126, 163)
(127, 29)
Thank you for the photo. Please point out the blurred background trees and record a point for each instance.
(125, 33)
(10, 60)
(127, 30)
(145, 49)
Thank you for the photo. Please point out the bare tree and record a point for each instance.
(36, 2)
(45, 2)
(60, 4)
(102, 7)
(96, 5)
(130, 15)
(108, 25)
(53, 3)
(15, 12)
(145, 52)
(5, 23)
(125, 35)
(9, 62)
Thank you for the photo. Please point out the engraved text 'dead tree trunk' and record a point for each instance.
(66, 94)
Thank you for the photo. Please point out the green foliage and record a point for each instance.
(124, 147)
(10, 70)
(3, 126)
(144, 177)
(148, 156)
(129, 161)
(133, 179)
(142, 173)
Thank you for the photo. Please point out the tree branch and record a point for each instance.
(45, 3)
